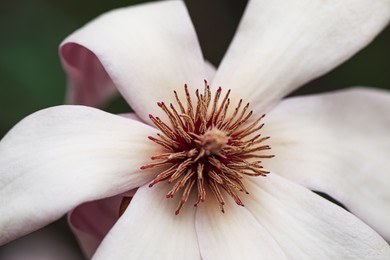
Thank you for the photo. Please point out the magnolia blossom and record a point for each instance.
(203, 152)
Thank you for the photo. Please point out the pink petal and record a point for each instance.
(147, 50)
(88, 82)
(91, 221)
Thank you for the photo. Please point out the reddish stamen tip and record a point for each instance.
(153, 183)
(205, 142)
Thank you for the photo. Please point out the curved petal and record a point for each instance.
(91, 221)
(48, 243)
(150, 229)
(280, 45)
(88, 82)
(235, 234)
(59, 157)
(147, 50)
(337, 143)
(306, 226)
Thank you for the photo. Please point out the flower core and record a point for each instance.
(208, 148)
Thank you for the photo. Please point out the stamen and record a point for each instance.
(205, 146)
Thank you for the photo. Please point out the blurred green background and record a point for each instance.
(32, 78)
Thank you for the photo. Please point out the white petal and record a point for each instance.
(210, 71)
(307, 226)
(280, 45)
(131, 116)
(337, 143)
(149, 229)
(60, 157)
(235, 234)
(147, 50)
(48, 243)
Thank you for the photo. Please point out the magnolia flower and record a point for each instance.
(202, 151)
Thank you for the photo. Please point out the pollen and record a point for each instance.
(208, 148)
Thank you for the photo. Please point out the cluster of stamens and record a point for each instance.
(207, 146)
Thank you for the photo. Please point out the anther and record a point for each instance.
(206, 148)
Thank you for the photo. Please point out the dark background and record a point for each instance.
(31, 77)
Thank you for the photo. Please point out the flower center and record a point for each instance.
(207, 148)
(212, 142)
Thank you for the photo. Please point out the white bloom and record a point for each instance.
(60, 157)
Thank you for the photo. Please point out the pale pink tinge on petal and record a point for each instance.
(91, 221)
(147, 50)
(88, 82)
